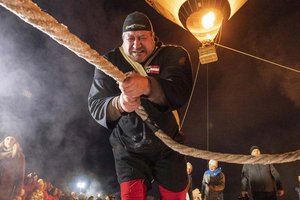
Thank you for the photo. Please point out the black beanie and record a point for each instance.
(253, 147)
(137, 21)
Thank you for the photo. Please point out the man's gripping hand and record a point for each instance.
(127, 104)
(135, 86)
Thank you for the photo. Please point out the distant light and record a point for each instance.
(81, 185)
(208, 20)
(99, 195)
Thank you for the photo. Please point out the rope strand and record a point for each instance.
(258, 58)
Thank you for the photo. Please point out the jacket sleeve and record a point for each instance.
(244, 179)
(103, 90)
(276, 177)
(204, 185)
(176, 76)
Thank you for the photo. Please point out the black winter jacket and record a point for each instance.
(260, 178)
(175, 79)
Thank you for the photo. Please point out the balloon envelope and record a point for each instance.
(194, 15)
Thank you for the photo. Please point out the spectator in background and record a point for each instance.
(29, 186)
(53, 194)
(82, 196)
(260, 181)
(12, 169)
(109, 197)
(189, 169)
(62, 195)
(298, 188)
(213, 182)
(48, 186)
(21, 196)
(74, 196)
(35, 177)
(40, 192)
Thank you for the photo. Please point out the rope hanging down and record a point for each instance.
(32, 14)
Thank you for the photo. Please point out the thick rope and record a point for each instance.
(32, 14)
(228, 158)
(223, 157)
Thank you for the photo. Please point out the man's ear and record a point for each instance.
(123, 35)
(153, 35)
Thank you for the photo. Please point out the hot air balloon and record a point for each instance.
(203, 18)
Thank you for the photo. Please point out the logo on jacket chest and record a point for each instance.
(153, 69)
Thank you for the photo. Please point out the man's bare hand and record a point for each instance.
(135, 85)
(128, 104)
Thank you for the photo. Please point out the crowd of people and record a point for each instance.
(258, 181)
(36, 188)
(16, 185)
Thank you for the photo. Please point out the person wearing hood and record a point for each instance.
(12, 169)
(298, 188)
(213, 182)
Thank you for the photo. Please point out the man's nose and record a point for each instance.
(137, 43)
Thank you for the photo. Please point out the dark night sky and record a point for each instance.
(44, 88)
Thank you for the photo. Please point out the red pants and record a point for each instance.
(136, 190)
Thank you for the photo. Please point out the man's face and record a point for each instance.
(9, 141)
(255, 152)
(138, 45)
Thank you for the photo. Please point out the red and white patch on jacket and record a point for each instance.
(153, 69)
